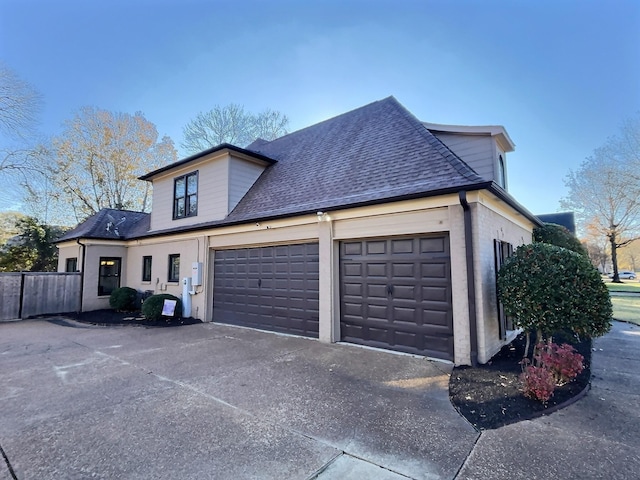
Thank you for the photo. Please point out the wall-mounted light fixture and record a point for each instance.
(323, 217)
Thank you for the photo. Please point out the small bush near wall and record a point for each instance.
(152, 306)
(124, 299)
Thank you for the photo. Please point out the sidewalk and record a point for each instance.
(595, 438)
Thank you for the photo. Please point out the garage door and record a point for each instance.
(271, 288)
(396, 294)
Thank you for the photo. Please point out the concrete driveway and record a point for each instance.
(210, 401)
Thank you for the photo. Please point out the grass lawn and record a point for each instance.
(627, 309)
(627, 286)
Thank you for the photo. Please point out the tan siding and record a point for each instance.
(491, 220)
(190, 250)
(242, 175)
(212, 195)
(426, 221)
(476, 150)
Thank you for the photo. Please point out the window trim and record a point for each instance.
(172, 258)
(502, 172)
(75, 264)
(146, 274)
(187, 202)
(501, 252)
(117, 274)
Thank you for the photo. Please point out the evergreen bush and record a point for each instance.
(124, 299)
(560, 236)
(549, 289)
(152, 306)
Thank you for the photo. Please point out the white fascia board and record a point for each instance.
(497, 131)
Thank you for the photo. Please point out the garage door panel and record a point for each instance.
(403, 270)
(434, 293)
(376, 247)
(434, 245)
(272, 288)
(405, 245)
(376, 312)
(434, 270)
(407, 292)
(352, 270)
(376, 291)
(352, 248)
(376, 270)
(407, 306)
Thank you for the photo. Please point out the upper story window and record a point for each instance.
(185, 196)
(502, 180)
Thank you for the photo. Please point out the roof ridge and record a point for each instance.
(456, 162)
(264, 143)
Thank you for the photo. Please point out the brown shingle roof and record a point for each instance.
(374, 153)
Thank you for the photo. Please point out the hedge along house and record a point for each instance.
(371, 228)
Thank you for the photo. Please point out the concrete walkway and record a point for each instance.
(210, 401)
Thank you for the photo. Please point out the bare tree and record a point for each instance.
(20, 106)
(99, 157)
(605, 191)
(232, 124)
(20, 103)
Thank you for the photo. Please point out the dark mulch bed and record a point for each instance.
(112, 317)
(490, 396)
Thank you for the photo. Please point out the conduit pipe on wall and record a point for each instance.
(471, 286)
(82, 260)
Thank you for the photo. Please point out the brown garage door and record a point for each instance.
(271, 288)
(396, 294)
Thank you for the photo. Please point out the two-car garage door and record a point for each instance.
(395, 293)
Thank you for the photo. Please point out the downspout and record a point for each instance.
(82, 260)
(471, 285)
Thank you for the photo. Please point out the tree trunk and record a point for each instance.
(614, 256)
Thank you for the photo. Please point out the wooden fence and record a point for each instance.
(27, 294)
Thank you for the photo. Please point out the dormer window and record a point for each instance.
(502, 181)
(185, 196)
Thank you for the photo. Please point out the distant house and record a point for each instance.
(565, 219)
(371, 228)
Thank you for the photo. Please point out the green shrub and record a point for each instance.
(124, 299)
(152, 306)
(560, 236)
(549, 289)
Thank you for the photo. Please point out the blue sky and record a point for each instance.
(560, 76)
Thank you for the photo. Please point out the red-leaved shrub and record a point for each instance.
(554, 365)
(538, 383)
(562, 361)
